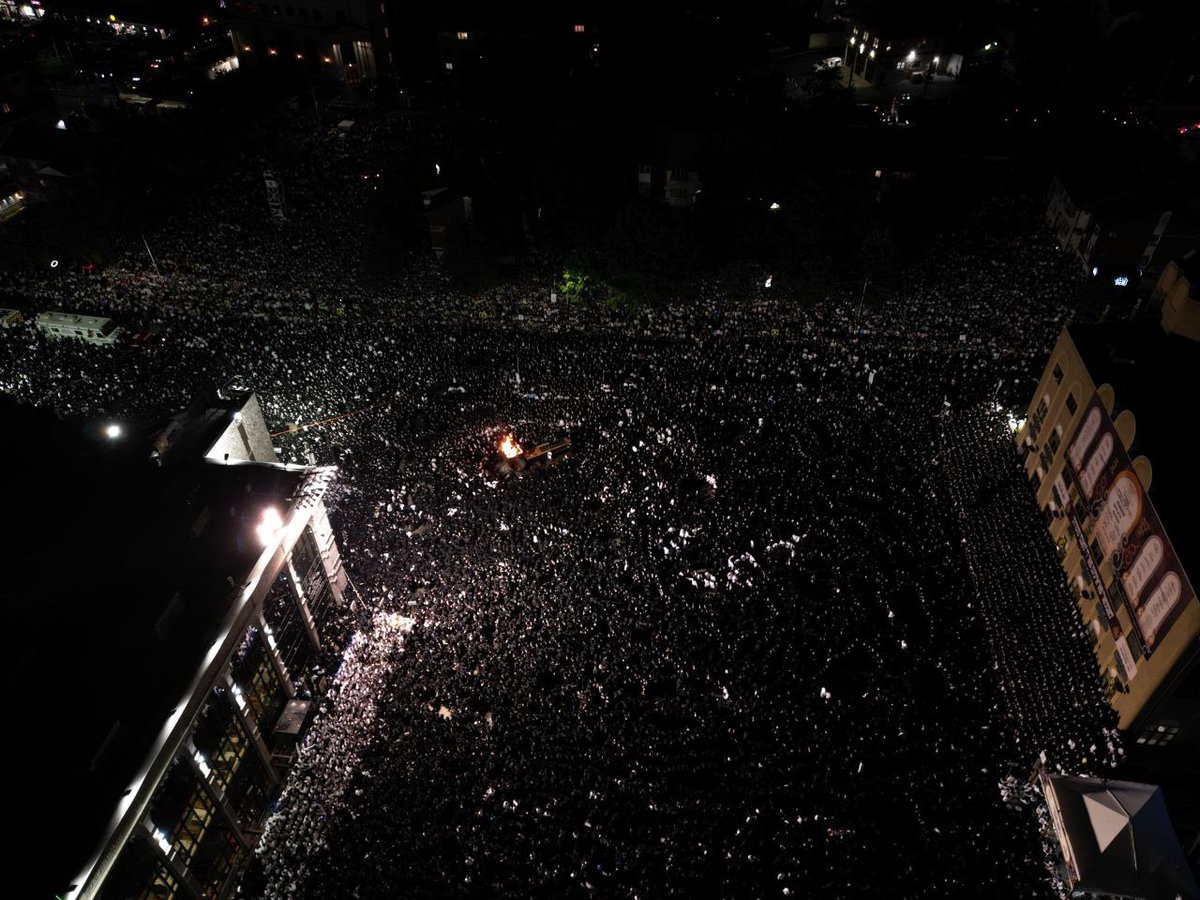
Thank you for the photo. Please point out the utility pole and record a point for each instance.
(152, 260)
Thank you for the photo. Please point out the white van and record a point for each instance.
(93, 329)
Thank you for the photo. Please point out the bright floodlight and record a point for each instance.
(269, 526)
(912, 54)
(113, 430)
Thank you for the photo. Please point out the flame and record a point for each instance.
(509, 447)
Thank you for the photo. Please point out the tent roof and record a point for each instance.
(1118, 837)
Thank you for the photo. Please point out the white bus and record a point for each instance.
(93, 329)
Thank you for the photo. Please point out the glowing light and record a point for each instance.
(1095, 271)
(54, 263)
(113, 431)
(246, 48)
(1121, 281)
(202, 764)
(270, 525)
(912, 55)
(774, 206)
(936, 60)
(770, 279)
(160, 837)
(509, 446)
(111, 17)
(61, 125)
(273, 51)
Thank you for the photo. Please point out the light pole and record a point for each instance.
(857, 56)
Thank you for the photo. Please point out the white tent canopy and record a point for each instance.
(1117, 838)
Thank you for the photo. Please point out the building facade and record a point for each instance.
(1101, 444)
(351, 40)
(1176, 296)
(231, 658)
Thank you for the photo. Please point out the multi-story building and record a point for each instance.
(1106, 443)
(1175, 294)
(176, 589)
(885, 44)
(349, 39)
(1118, 228)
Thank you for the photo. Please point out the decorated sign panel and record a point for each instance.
(1127, 528)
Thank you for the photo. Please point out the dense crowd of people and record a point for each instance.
(784, 624)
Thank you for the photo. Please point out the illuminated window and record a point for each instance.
(1159, 735)
(462, 35)
(580, 29)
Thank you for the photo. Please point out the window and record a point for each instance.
(462, 35)
(1057, 373)
(580, 29)
(1159, 735)
(1072, 405)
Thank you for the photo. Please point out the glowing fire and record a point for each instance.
(509, 446)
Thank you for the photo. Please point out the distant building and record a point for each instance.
(173, 589)
(351, 40)
(1178, 295)
(1117, 226)
(134, 18)
(1107, 445)
(886, 44)
(668, 167)
(45, 161)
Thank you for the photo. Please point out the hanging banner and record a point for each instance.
(1128, 530)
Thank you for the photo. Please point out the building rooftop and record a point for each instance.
(1118, 837)
(1150, 373)
(120, 574)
